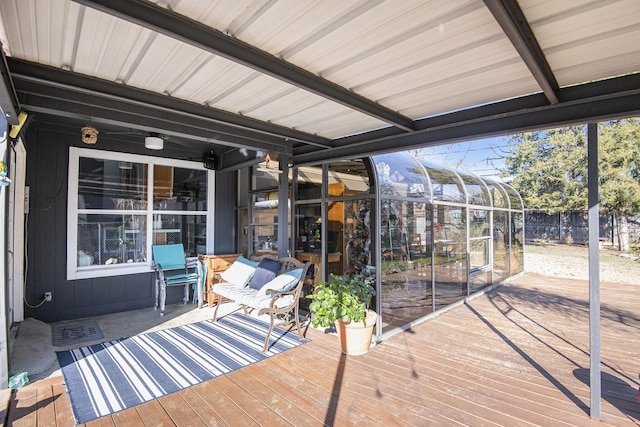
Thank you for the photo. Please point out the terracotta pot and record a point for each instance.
(355, 338)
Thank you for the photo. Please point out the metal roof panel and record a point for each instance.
(418, 58)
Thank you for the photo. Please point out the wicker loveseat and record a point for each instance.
(268, 284)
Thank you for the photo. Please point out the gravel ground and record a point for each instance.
(572, 261)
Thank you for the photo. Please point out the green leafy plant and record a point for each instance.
(341, 298)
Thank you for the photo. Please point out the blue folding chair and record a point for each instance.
(173, 269)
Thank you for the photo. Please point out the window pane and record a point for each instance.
(357, 237)
(497, 193)
(446, 184)
(406, 289)
(309, 183)
(479, 253)
(265, 175)
(111, 184)
(479, 280)
(308, 228)
(476, 190)
(348, 178)
(190, 230)
(450, 255)
(479, 223)
(517, 243)
(400, 175)
(514, 197)
(265, 223)
(179, 189)
(500, 245)
(111, 239)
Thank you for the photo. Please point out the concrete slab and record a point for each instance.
(34, 353)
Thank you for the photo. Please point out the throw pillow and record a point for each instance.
(240, 272)
(284, 282)
(265, 272)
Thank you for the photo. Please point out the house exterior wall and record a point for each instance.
(225, 218)
(47, 176)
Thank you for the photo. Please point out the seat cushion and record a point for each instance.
(232, 291)
(246, 296)
(181, 279)
(240, 272)
(265, 272)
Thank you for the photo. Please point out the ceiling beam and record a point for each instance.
(517, 29)
(239, 158)
(8, 99)
(171, 24)
(598, 101)
(29, 71)
(64, 102)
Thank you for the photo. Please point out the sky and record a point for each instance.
(484, 157)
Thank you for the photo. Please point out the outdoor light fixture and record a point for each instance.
(153, 142)
(89, 134)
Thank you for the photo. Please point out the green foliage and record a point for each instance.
(549, 168)
(620, 166)
(341, 298)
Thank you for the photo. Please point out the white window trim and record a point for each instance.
(73, 271)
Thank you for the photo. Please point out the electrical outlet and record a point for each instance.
(48, 296)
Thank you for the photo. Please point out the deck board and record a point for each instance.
(518, 355)
(153, 414)
(204, 411)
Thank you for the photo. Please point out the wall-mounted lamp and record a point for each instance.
(153, 142)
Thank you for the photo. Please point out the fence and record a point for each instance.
(573, 227)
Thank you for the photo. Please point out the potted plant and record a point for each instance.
(345, 301)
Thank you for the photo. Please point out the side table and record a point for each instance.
(215, 264)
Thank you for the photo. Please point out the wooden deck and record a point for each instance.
(516, 356)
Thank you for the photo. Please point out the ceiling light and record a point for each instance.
(153, 142)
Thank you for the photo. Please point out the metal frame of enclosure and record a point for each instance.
(428, 235)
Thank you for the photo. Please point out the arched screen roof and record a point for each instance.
(400, 175)
(406, 176)
(514, 197)
(477, 191)
(498, 194)
(445, 183)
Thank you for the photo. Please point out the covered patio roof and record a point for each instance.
(321, 80)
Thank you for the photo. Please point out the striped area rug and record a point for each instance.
(112, 376)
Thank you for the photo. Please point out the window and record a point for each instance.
(265, 223)
(112, 224)
(480, 238)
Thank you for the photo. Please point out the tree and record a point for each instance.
(549, 169)
(619, 157)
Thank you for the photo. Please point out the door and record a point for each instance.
(17, 215)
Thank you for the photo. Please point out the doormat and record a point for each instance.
(75, 333)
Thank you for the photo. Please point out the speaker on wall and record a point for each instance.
(210, 161)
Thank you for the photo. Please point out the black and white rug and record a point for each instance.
(112, 376)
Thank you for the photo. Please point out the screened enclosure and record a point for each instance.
(444, 235)
(429, 235)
